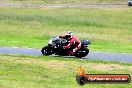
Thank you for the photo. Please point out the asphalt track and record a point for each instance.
(66, 5)
(122, 57)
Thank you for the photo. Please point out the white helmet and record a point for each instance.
(69, 35)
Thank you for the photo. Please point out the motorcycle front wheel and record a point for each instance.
(46, 51)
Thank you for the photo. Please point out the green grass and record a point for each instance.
(63, 1)
(108, 29)
(54, 72)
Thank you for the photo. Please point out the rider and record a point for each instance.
(73, 41)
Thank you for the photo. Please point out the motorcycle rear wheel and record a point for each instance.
(82, 53)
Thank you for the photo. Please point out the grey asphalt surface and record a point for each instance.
(122, 57)
(67, 5)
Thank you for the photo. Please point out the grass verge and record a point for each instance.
(18, 71)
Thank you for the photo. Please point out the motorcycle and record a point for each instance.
(55, 46)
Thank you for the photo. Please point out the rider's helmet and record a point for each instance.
(69, 35)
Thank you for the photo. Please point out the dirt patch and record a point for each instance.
(50, 64)
(107, 67)
(58, 64)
